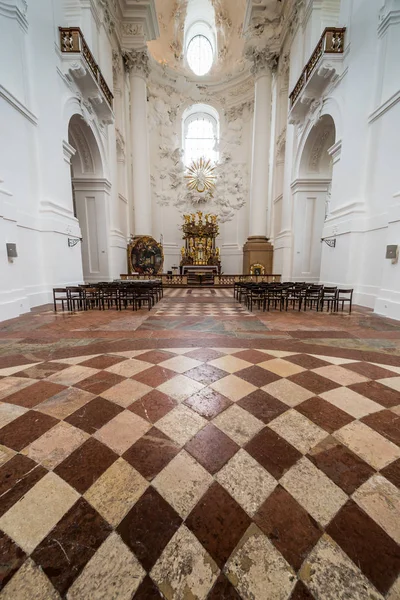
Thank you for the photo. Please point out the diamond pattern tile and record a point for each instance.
(219, 473)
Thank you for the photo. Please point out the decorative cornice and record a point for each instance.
(388, 15)
(15, 103)
(137, 62)
(15, 9)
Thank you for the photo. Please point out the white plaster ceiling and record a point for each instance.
(175, 15)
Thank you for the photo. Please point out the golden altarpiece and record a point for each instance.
(200, 252)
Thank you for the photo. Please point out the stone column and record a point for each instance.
(136, 62)
(257, 249)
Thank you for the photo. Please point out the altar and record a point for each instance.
(200, 254)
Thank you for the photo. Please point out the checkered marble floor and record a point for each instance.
(216, 473)
(198, 293)
(208, 309)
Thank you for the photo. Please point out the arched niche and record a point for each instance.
(311, 198)
(91, 198)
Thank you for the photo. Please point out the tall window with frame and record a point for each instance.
(201, 136)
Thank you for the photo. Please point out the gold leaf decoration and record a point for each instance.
(201, 176)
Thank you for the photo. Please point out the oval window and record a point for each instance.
(200, 55)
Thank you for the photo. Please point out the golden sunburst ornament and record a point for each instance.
(201, 177)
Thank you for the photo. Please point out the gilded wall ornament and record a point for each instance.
(201, 176)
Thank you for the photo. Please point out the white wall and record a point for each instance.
(363, 98)
(37, 99)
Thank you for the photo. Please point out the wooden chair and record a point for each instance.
(343, 296)
(328, 297)
(60, 295)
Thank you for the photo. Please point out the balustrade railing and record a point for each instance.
(219, 280)
(331, 42)
(73, 41)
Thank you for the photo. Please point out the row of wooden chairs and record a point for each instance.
(301, 296)
(118, 295)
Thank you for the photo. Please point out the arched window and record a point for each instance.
(200, 55)
(200, 48)
(200, 133)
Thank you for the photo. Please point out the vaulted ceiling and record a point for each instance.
(173, 15)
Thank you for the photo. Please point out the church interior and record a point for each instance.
(200, 300)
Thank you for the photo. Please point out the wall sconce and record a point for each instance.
(392, 252)
(12, 250)
(330, 241)
(73, 242)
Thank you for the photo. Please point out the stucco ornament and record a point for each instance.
(137, 61)
(201, 176)
(261, 59)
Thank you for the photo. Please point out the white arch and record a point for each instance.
(330, 107)
(73, 106)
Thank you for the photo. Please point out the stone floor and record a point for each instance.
(199, 451)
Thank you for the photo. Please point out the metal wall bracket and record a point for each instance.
(331, 242)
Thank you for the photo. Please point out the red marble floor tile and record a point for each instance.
(11, 558)
(13, 360)
(204, 354)
(153, 406)
(71, 544)
(324, 414)
(218, 522)
(102, 362)
(368, 546)
(289, 527)
(370, 371)
(25, 429)
(85, 465)
(206, 374)
(300, 592)
(34, 394)
(252, 356)
(273, 452)
(330, 333)
(343, 467)
(154, 376)
(98, 383)
(41, 371)
(257, 376)
(313, 382)
(378, 393)
(151, 453)
(17, 477)
(306, 361)
(386, 423)
(148, 527)
(208, 403)
(223, 590)
(212, 448)
(147, 590)
(392, 472)
(263, 406)
(93, 415)
(154, 356)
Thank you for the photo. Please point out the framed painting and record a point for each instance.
(145, 256)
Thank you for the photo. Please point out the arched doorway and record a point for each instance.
(311, 199)
(90, 193)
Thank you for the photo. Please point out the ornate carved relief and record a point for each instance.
(168, 181)
(137, 61)
(79, 142)
(317, 149)
(132, 29)
(116, 65)
(261, 60)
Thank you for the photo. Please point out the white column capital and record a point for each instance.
(137, 62)
(263, 61)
